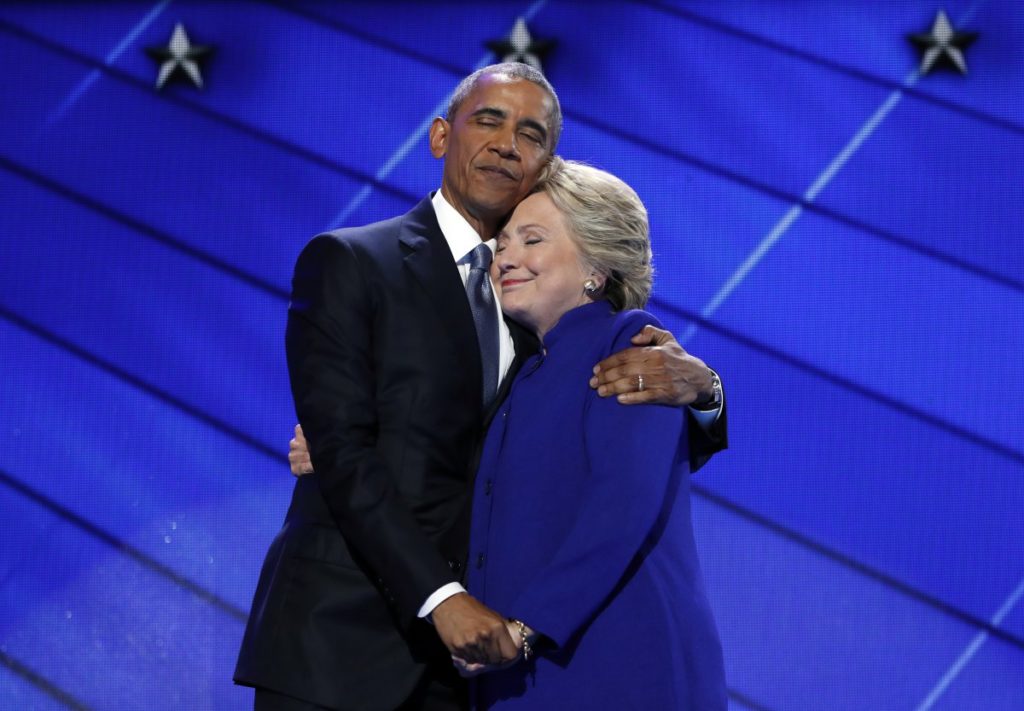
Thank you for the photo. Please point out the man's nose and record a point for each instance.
(506, 144)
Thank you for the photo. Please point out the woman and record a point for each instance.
(581, 518)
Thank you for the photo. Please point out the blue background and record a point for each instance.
(840, 238)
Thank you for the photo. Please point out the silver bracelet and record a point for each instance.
(521, 627)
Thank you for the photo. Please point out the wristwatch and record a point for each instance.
(716, 395)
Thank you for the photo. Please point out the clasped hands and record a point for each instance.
(479, 639)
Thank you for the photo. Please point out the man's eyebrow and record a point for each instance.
(490, 111)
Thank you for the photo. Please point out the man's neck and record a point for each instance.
(485, 228)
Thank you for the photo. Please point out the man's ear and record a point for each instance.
(439, 132)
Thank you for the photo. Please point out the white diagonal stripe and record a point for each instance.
(83, 86)
(811, 194)
(971, 649)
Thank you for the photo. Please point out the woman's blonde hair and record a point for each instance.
(609, 223)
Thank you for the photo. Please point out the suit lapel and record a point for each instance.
(429, 259)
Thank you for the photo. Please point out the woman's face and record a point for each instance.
(537, 266)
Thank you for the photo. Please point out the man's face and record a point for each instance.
(494, 148)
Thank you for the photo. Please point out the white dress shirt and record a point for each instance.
(463, 239)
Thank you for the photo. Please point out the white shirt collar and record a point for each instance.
(458, 233)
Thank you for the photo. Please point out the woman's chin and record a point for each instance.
(520, 315)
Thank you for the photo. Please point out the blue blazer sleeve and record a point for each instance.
(632, 454)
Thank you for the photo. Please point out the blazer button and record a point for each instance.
(487, 487)
(480, 561)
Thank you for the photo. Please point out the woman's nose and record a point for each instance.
(504, 260)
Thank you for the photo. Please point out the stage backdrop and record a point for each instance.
(839, 235)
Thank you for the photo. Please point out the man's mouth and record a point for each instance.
(499, 171)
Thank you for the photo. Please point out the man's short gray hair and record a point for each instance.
(512, 70)
(609, 223)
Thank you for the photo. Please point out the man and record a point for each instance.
(359, 603)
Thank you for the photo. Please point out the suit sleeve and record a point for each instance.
(329, 343)
(705, 443)
(633, 453)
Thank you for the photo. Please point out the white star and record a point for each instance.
(520, 40)
(520, 46)
(942, 42)
(179, 55)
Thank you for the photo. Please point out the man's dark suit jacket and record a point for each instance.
(386, 376)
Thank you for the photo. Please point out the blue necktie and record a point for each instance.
(485, 317)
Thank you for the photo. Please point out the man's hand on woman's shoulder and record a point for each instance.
(655, 370)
